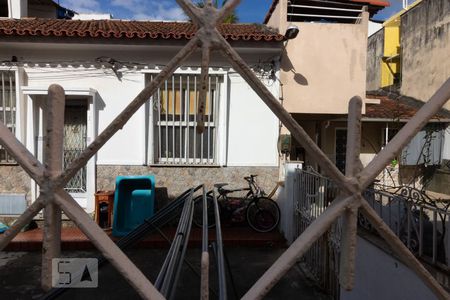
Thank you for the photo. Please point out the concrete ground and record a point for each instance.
(20, 274)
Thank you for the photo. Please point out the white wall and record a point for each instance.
(286, 200)
(127, 146)
(374, 27)
(18, 8)
(252, 127)
(381, 276)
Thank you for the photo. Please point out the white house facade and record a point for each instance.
(103, 65)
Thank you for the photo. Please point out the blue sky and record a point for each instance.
(249, 11)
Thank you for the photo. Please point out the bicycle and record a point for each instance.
(261, 213)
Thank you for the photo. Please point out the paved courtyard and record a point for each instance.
(20, 274)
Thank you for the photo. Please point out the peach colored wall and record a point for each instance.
(275, 19)
(324, 66)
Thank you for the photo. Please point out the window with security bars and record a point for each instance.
(176, 140)
(7, 108)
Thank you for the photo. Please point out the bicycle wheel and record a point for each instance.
(198, 211)
(263, 214)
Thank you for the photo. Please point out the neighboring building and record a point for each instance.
(324, 67)
(384, 52)
(103, 65)
(408, 59)
(34, 8)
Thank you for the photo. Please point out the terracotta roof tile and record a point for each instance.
(395, 109)
(129, 29)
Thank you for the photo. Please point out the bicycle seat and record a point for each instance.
(220, 185)
(251, 177)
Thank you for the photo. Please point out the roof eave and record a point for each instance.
(260, 44)
(388, 120)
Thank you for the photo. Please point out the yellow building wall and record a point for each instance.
(391, 49)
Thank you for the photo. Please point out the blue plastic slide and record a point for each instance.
(134, 201)
(3, 227)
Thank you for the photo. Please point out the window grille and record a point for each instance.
(7, 108)
(176, 140)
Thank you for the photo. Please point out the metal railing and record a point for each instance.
(418, 221)
(219, 253)
(313, 193)
(167, 279)
(204, 264)
(323, 12)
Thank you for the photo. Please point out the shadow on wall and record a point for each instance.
(100, 105)
(287, 66)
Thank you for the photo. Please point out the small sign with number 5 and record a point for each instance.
(75, 273)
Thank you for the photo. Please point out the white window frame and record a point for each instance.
(15, 125)
(220, 111)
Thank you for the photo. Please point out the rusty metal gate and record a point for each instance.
(51, 179)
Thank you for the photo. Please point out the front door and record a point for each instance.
(79, 130)
(341, 148)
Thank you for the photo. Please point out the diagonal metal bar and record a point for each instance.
(126, 114)
(25, 218)
(296, 130)
(191, 10)
(21, 154)
(400, 249)
(108, 248)
(201, 106)
(311, 234)
(352, 167)
(404, 136)
(53, 162)
(353, 164)
(348, 247)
